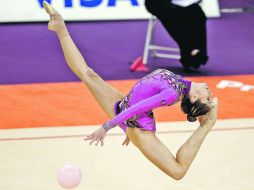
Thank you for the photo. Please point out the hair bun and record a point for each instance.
(190, 118)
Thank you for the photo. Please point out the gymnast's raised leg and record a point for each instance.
(104, 94)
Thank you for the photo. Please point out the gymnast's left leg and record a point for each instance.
(176, 167)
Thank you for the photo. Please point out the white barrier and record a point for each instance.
(77, 10)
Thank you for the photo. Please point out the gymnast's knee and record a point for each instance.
(90, 75)
(177, 174)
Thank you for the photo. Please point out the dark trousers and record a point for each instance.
(186, 25)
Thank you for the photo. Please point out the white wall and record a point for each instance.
(30, 10)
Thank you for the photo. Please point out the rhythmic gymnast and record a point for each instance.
(133, 113)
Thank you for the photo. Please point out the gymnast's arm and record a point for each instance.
(165, 97)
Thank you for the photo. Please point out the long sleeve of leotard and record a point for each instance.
(164, 98)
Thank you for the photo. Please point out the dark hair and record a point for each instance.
(193, 110)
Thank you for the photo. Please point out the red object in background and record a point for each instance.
(138, 65)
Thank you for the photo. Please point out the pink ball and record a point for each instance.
(69, 176)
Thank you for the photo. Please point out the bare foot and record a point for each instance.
(56, 22)
(210, 118)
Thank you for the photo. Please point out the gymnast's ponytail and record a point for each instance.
(193, 110)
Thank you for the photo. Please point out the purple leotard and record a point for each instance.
(159, 88)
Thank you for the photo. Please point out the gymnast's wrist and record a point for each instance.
(107, 126)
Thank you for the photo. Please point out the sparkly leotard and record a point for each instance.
(159, 88)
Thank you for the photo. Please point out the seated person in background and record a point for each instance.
(185, 21)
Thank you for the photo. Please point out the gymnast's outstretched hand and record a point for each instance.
(97, 136)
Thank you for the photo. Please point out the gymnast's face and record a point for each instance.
(204, 94)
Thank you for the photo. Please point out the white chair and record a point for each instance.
(153, 50)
